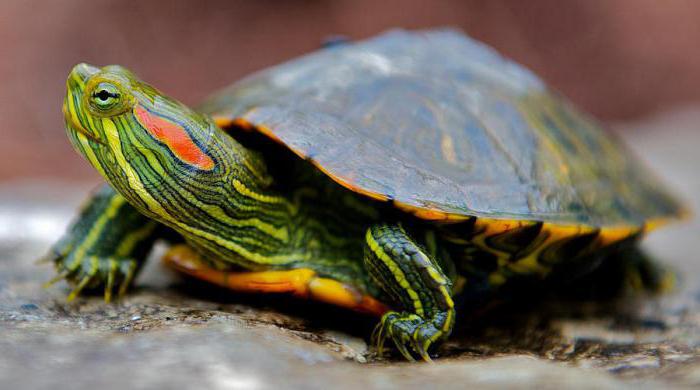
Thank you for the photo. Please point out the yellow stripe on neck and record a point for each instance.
(154, 207)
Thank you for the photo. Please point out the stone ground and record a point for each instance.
(172, 333)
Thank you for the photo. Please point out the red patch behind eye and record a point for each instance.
(175, 137)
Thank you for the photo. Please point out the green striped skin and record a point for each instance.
(174, 166)
(229, 213)
(105, 246)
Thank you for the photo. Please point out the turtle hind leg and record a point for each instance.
(642, 273)
(105, 247)
(300, 282)
(627, 271)
(417, 284)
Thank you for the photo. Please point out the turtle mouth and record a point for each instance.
(75, 85)
(78, 127)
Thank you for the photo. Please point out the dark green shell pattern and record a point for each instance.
(438, 121)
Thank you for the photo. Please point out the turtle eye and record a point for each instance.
(105, 96)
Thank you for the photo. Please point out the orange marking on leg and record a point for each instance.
(302, 282)
(175, 137)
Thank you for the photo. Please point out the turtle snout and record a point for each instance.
(73, 109)
(83, 71)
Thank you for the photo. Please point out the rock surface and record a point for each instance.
(171, 333)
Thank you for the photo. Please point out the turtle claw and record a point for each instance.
(411, 334)
(47, 259)
(56, 279)
(81, 285)
(128, 273)
(399, 342)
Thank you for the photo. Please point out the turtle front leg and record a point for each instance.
(417, 285)
(104, 247)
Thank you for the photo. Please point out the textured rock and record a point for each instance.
(171, 332)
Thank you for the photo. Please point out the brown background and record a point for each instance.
(620, 59)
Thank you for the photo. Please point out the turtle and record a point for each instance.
(401, 176)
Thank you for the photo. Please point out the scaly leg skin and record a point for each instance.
(416, 284)
(104, 247)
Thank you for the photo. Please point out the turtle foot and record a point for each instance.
(411, 334)
(92, 273)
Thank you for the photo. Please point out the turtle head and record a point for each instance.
(140, 140)
(173, 164)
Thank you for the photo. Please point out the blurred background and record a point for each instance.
(619, 59)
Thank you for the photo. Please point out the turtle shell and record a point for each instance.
(446, 128)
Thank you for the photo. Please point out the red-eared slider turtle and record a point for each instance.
(385, 176)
